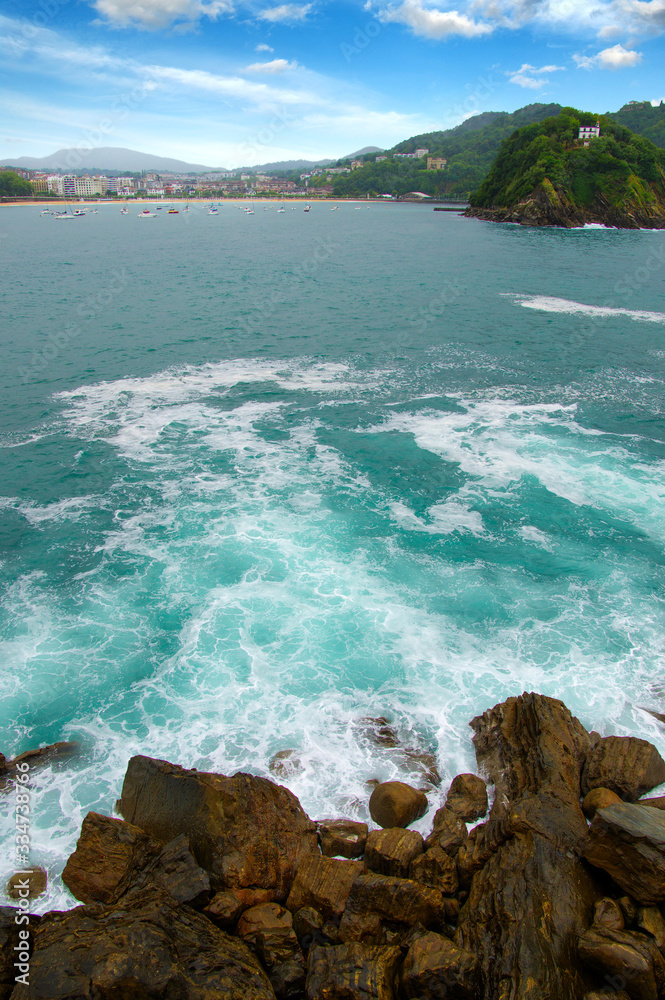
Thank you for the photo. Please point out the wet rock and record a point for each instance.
(342, 838)
(391, 851)
(607, 913)
(626, 960)
(148, 945)
(224, 909)
(650, 920)
(628, 842)
(598, 798)
(268, 930)
(29, 884)
(245, 831)
(106, 851)
(393, 803)
(353, 972)
(323, 883)
(436, 968)
(285, 763)
(174, 870)
(435, 868)
(626, 765)
(307, 924)
(449, 832)
(656, 803)
(474, 854)
(467, 797)
(397, 899)
(42, 756)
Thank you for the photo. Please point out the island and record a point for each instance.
(572, 170)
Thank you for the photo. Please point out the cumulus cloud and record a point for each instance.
(286, 12)
(155, 14)
(531, 77)
(275, 66)
(262, 47)
(616, 57)
(429, 22)
(651, 14)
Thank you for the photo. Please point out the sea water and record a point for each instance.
(265, 477)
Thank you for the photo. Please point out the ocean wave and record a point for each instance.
(552, 304)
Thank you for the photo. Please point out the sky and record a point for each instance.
(229, 83)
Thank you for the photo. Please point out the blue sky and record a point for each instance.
(228, 82)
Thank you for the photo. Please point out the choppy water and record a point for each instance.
(265, 476)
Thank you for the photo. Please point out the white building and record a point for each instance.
(589, 132)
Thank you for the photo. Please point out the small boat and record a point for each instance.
(281, 210)
(147, 214)
(213, 211)
(47, 211)
(306, 208)
(124, 211)
(186, 208)
(172, 211)
(335, 208)
(64, 216)
(78, 212)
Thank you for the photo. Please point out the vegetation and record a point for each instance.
(12, 185)
(643, 118)
(620, 168)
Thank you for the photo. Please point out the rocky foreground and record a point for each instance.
(546, 206)
(222, 887)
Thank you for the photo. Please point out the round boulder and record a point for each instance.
(394, 803)
(598, 798)
(28, 886)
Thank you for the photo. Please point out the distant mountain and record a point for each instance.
(286, 165)
(107, 158)
(642, 117)
(361, 152)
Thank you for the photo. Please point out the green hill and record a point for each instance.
(543, 175)
(643, 118)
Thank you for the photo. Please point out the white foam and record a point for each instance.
(444, 519)
(538, 537)
(551, 304)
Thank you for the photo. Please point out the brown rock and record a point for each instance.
(353, 972)
(41, 756)
(391, 851)
(363, 926)
(628, 842)
(629, 909)
(628, 961)
(651, 921)
(323, 883)
(146, 946)
(393, 803)
(436, 968)
(435, 868)
(467, 797)
(28, 884)
(268, 930)
(624, 764)
(607, 995)
(474, 854)
(308, 924)
(224, 909)
(244, 830)
(607, 913)
(598, 798)
(656, 803)
(174, 870)
(342, 838)
(286, 763)
(106, 851)
(13, 948)
(448, 832)
(397, 899)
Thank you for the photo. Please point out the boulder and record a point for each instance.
(308, 925)
(393, 803)
(42, 756)
(650, 920)
(626, 765)
(598, 798)
(174, 870)
(353, 972)
(656, 803)
(342, 838)
(268, 930)
(607, 913)
(467, 797)
(224, 909)
(435, 868)
(391, 851)
(448, 832)
(148, 945)
(395, 899)
(626, 960)
(106, 851)
(245, 831)
(435, 968)
(28, 884)
(323, 883)
(628, 841)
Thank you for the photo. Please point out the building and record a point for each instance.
(380, 159)
(357, 164)
(436, 162)
(39, 184)
(589, 132)
(419, 153)
(69, 186)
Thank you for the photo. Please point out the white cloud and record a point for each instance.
(275, 66)
(529, 76)
(286, 12)
(616, 57)
(263, 48)
(154, 14)
(428, 22)
(651, 14)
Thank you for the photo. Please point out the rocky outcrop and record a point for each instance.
(391, 851)
(394, 803)
(435, 967)
(268, 930)
(353, 972)
(324, 883)
(627, 766)
(626, 960)
(597, 799)
(449, 832)
(546, 206)
(628, 842)
(467, 797)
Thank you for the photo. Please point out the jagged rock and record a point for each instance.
(391, 851)
(174, 870)
(467, 797)
(627, 960)
(629, 909)
(363, 926)
(268, 930)
(626, 765)
(435, 868)
(28, 886)
(106, 851)
(307, 924)
(650, 920)
(246, 831)
(41, 756)
(393, 803)
(607, 913)
(435, 968)
(323, 883)
(395, 899)
(148, 945)
(224, 909)
(353, 972)
(628, 842)
(449, 832)
(474, 854)
(342, 838)
(598, 798)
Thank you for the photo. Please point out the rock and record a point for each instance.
(323, 883)
(148, 945)
(629, 909)
(436, 968)
(342, 838)
(656, 803)
(14, 947)
(224, 909)
(396, 899)
(607, 913)
(467, 797)
(285, 763)
(245, 831)
(353, 972)
(435, 868)
(391, 851)
(605, 995)
(394, 803)
(28, 886)
(381, 733)
(626, 765)
(627, 960)
(174, 870)
(628, 842)
(268, 930)
(42, 756)
(650, 920)
(307, 924)
(449, 832)
(598, 798)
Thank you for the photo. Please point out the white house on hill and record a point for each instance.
(589, 132)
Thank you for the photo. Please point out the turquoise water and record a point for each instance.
(265, 476)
